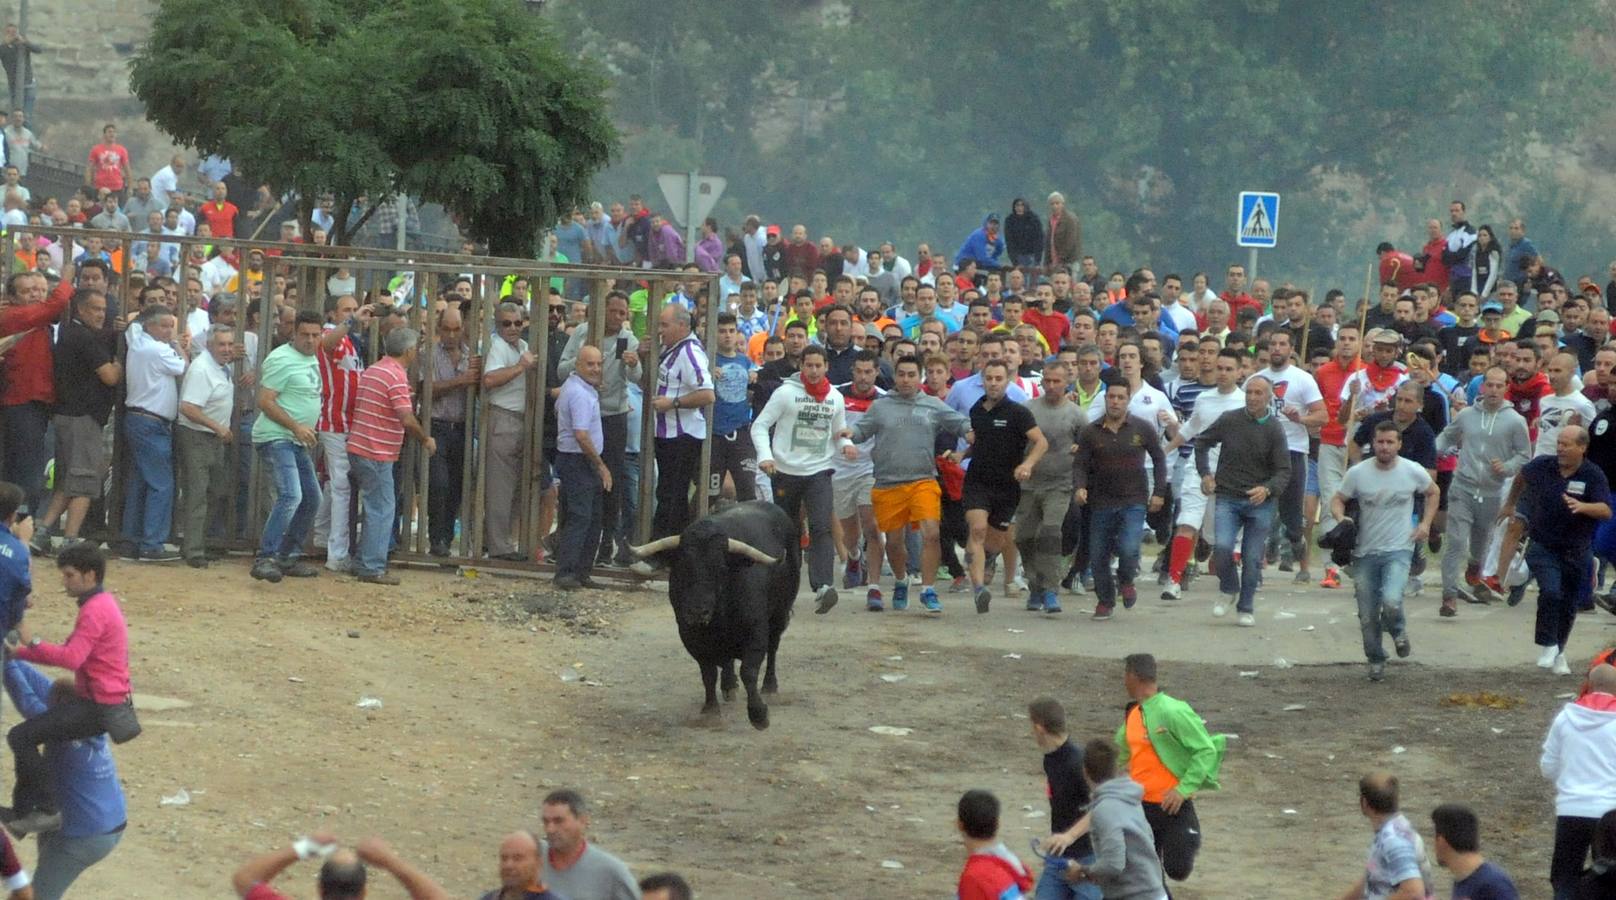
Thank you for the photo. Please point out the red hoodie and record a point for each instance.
(26, 370)
(989, 876)
(1524, 396)
(1435, 272)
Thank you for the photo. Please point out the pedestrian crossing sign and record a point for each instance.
(1258, 225)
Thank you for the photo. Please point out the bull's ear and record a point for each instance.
(671, 542)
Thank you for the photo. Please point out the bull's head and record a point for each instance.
(700, 563)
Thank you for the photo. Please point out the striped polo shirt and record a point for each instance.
(381, 400)
(339, 376)
(683, 369)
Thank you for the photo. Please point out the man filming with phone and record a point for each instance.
(620, 350)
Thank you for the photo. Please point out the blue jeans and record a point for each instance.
(148, 496)
(1378, 580)
(1116, 531)
(629, 510)
(582, 503)
(243, 450)
(63, 859)
(1561, 578)
(378, 502)
(1231, 515)
(297, 497)
(1052, 885)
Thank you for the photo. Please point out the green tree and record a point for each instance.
(472, 104)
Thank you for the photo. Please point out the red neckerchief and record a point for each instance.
(819, 391)
(1382, 378)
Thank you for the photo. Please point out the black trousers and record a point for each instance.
(1178, 838)
(73, 719)
(952, 533)
(443, 492)
(1573, 835)
(614, 434)
(1290, 502)
(580, 502)
(678, 465)
(734, 454)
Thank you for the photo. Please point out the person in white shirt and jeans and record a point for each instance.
(150, 406)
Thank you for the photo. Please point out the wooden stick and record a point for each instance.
(474, 479)
(650, 370)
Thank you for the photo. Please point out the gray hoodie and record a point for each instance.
(1481, 437)
(908, 427)
(1125, 864)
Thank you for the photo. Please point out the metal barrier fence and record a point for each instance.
(409, 281)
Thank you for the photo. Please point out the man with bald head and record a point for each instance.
(342, 876)
(1563, 497)
(454, 370)
(1577, 758)
(1564, 406)
(519, 870)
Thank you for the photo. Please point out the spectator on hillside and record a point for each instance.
(85, 779)
(110, 218)
(519, 870)
(342, 874)
(17, 56)
(20, 139)
(109, 162)
(801, 254)
(983, 246)
(1520, 250)
(572, 866)
(710, 249)
(1065, 235)
(220, 213)
(1024, 235)
(166, 181)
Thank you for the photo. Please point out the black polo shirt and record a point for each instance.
(79, 351)
(1001, 440)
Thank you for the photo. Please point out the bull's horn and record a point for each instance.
(751, 552)
(671, 542)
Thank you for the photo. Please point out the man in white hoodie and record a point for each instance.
(1577, 758)
(808, 417)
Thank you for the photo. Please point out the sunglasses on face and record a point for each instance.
(511, 323)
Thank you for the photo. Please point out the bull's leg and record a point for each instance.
(751, 660)
(770, 684)
(709, 680)
(729, 682)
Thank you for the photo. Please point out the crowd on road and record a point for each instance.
(1007, 414)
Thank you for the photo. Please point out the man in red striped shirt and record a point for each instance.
(383, 410)
(340, 365)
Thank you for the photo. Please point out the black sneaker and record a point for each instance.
(1377, 671)
(197, 562)
(1403, 647)
(1606, 602)
(1516, 595)
(567, 583)
(40, 543)
(983, 598)
(438, 550)
(265, 569)
(294, 568)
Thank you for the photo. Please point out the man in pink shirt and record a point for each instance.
(382, 412)
(97, 652)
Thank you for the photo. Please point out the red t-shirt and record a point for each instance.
(1397, 268)
(1436, 272)
(376, 430)
(990, 877)
(107, 162)
(221, 218)
(1054, 327)
(1331, 377)
(1236, 301)
(339, 377)
(262, 891)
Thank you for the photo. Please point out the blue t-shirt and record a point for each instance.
(1486, 883)
(1548, 522)
(16, 583)
(731, 411)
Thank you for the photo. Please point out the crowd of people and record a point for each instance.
(1008, 414)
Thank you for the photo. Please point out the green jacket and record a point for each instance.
(1180, 738)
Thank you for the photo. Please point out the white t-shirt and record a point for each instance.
(1145, 403)
(512, 395)
(1554, 413)
(1209, 407)
(1385, 503)
(1183, 318)
(1293, 387)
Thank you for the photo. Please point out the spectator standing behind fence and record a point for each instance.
(454, 370)
(151, 403)
(505, 380)
(582, 472)
(289, 400)
(27, 391)
(87, 376)
(684, 391)
(340, 364)
(384, 409)
(621, 367)
(203, 440)
(85, 779)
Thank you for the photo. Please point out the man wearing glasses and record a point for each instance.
(505, 379)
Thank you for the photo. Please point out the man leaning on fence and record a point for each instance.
(453, 372)
(684, 390)
(621, 366)
(383, 411)
(289, 398)
(203, 441)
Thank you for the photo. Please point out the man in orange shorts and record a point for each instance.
(908, 423)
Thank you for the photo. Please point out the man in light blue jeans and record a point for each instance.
(1384, 488)
(289, 407)
(1251, 522)
(86, 784)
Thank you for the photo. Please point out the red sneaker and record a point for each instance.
(1332, 577)
(1473, 574)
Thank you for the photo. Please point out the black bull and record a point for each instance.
(732, 579)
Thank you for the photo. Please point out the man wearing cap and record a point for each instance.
(1370, 388)
(1492, 329)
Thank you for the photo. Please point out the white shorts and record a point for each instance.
(849, 492)
(1193, 510)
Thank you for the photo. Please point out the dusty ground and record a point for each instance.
(495, 690)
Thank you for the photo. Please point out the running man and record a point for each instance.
(1008, 445)
(853, 479)
(1110, 473)
(1195, 510)
(1049, 492)
(1493, 445)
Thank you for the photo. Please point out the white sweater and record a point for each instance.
(1578, 757)
(807, 432)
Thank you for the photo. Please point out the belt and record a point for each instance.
(148, 413)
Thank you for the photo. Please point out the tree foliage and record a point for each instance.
(911, 118)
(469, 103)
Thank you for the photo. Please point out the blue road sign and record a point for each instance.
(1258, 225)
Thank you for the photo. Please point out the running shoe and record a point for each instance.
(1035, 602)
(1102, 612)
(1377, 671)
(983, 598)
(850, 575)
(1303, 577)
(1468, 597)
(1547, 656)
(1489, 589)
(1247, 620)
(1130, 596)
(1220, 606)
(1516, 595)
(872, 600)
(1560, 666)
(900, 596)
(825, 600)
(1332, 577)
(1051, 602)
(928, 599)
(960, 585)
(1171, 591)
(1450, 607)
(1473, 574)
(1017, 585)
(1404, 648)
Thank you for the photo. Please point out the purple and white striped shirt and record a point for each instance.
(683, 369)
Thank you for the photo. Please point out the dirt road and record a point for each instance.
(494, 691)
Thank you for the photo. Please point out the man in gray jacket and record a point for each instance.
(620, 348)
(906, 490)
(1493, 444)
(1125, 864)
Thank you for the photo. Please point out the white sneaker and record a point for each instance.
(342, 566)
(1220, 608)
(1018, 585)
(1560, 665)
(1171, 591)
(1247, 620)
(1546, 658)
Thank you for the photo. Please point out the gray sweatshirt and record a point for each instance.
(1125, 864)
(614, 375)
(908, 428)
(1481, 437)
